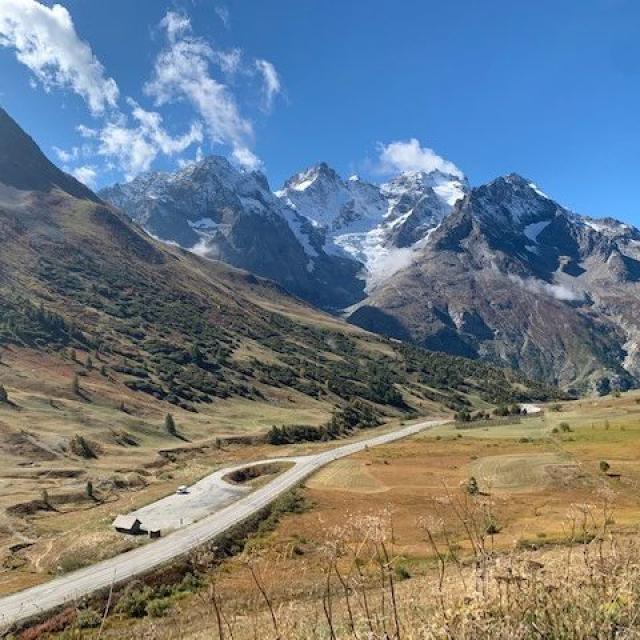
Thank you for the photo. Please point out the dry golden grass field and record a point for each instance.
(544, 501)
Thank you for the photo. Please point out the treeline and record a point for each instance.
(354, 416)
(500, 411)
(494, 384)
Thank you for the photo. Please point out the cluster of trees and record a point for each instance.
(492, 383)
(356, 415)
(25, 323)
(514, 409)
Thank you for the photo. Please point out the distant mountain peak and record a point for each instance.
(318, 174)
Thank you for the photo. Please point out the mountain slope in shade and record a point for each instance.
(22, 166)
(513, 277)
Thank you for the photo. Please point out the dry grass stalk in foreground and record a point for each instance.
(589, 588)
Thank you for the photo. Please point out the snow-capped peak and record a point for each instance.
(448, 187)
(513, 200)
(318, 175)
(379, 225)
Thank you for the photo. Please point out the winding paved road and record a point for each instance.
(33, 602)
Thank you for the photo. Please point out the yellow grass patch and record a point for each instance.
(523, 471)
(347, 475)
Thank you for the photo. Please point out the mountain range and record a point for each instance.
(77, 276)
(500, 271)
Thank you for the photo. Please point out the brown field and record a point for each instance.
(541, 487)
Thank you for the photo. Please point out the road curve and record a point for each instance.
(38, 600)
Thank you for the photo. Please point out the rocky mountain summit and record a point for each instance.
(378, 226)
(500, 272)
(223, 213)
(512, 276)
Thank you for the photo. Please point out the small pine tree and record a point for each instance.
(170, 425)
(89, 364)
(196, 354)
(123, 408)
(45, 497)
(103, 371)
(75, 385)
(89, 489)
(3, 394)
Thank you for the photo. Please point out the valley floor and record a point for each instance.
(392, 540)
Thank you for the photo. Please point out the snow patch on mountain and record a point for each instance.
(532, 231)
(379, 226)
(539, 191)
(203, 223)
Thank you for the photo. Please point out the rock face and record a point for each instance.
(499, 272)
(511, 276)
(219, 212)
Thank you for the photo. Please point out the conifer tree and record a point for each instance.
(170, 425)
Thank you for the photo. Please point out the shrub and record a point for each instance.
(134, 600)
(564, 427)
(88, 619)
(604, 466)
(472, 486)
(170, 425)
(80, 446)
(402, 573)
(158, 608)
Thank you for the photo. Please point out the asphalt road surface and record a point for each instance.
(205, 497)
(73, 586)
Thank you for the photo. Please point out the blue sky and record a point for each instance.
(547, 89)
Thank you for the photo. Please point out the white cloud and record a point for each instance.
(67, 156)
(228, 61)
(557, 291)
(271, 80)
(246, 158)
(45, 40)
(223, 14)
(401, 156)
(127, 137)
(136, 147)
(86, 132)
(86, 174)
(182, 72)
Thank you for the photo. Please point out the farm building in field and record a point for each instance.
(128, 524)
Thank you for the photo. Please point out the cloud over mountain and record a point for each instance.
(410, 155)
